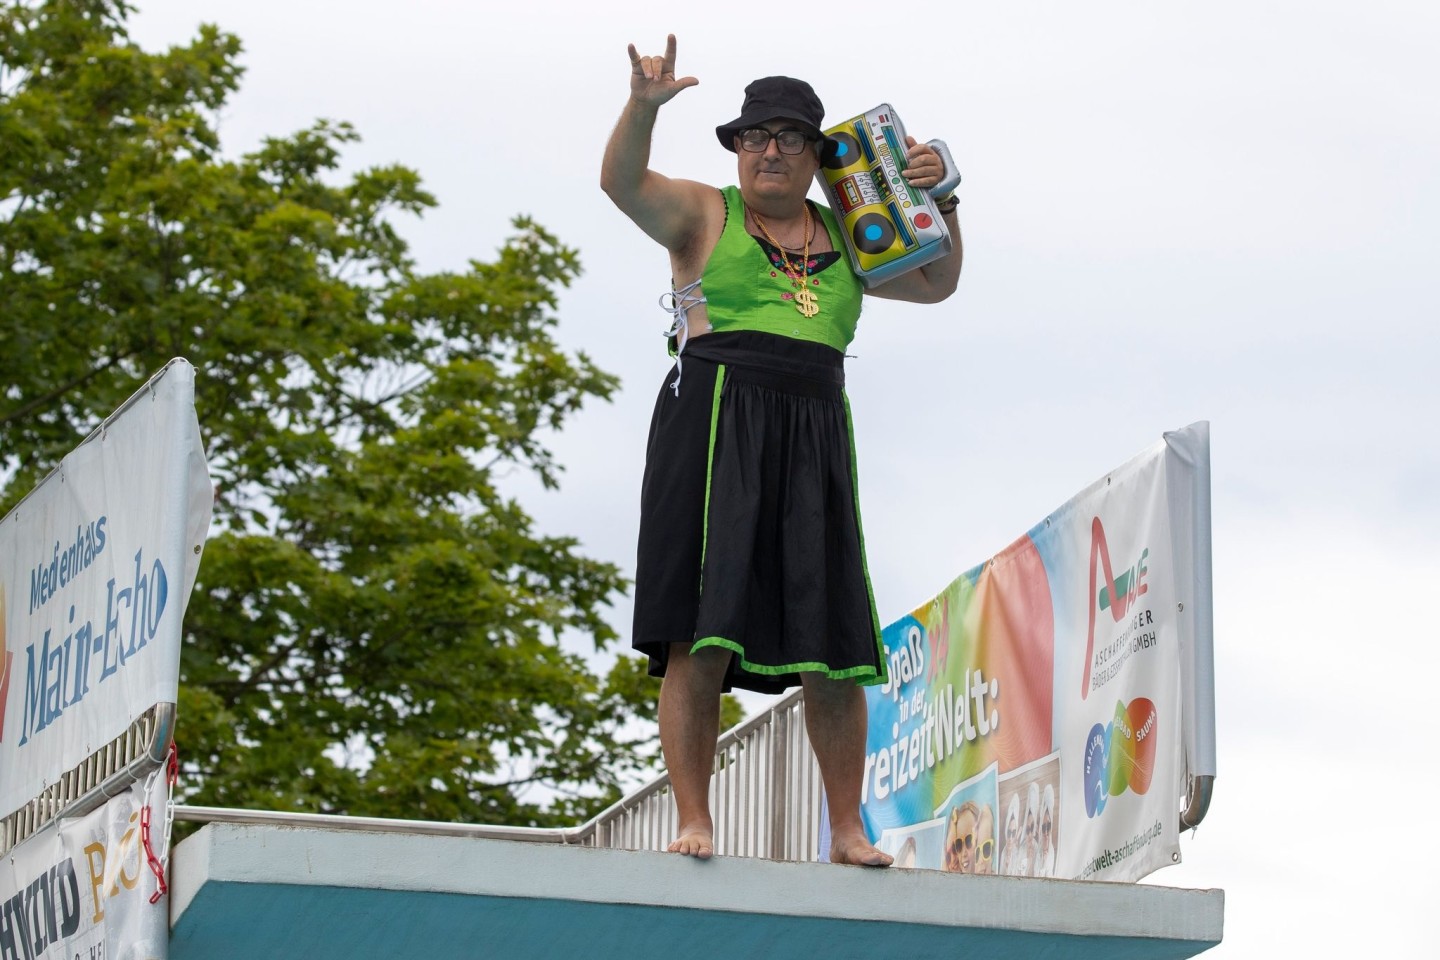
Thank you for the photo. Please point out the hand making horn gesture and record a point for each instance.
(652, 79)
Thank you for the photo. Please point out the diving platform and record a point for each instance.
(267, 890)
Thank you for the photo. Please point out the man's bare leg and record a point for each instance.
(689, 726)
(835, 714)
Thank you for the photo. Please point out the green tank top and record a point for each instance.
(744, 291)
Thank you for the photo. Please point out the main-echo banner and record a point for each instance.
(1032, 722)
(96, 566)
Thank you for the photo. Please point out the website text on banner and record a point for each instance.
(96, 567)
(1032, 723)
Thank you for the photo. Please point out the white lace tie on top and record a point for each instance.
(680, 302)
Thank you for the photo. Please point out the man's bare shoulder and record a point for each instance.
(675, 213)
(706, 224)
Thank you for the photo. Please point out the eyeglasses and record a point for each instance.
(789, 141)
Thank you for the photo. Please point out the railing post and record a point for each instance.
(779, 778)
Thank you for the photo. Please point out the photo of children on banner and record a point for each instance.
(1030, 838)
(906, 857)
(963, 835)
(985, 847)
(969, 817)
(920, 846)
(968, 848)
(1047, 833)
(1010, 841)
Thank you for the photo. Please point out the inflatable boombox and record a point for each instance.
(889, 226)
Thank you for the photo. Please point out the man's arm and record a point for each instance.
(937, 279)
(671, 212)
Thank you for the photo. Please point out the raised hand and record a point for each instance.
(652, 79)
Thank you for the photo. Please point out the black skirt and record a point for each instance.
(750, 535)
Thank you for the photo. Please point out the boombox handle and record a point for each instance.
(951, 179)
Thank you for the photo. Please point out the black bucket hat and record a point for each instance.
(774, 98)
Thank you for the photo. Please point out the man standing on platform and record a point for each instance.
(751, 568)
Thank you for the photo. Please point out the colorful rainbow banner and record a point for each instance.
(1034, 719)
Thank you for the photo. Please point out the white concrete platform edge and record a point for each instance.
(307, 856)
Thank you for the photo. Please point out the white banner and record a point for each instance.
(83, 888)
(1036, 709)
(96, 566)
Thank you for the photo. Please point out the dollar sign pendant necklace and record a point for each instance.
(807, 303)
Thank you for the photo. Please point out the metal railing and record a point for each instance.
(765, 794)
(765, 797)
(1199, 789)
(133, 755)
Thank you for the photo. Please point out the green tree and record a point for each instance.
(376, 627)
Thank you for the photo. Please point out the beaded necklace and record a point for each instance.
(807, 303)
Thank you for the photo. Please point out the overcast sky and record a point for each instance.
(1172, 212)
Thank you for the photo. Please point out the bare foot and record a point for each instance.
(854, 847)
(694, 842)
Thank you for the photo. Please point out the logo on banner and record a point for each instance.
(45, 912)
(1120, 755)
(62, 667)
(1118, 595)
